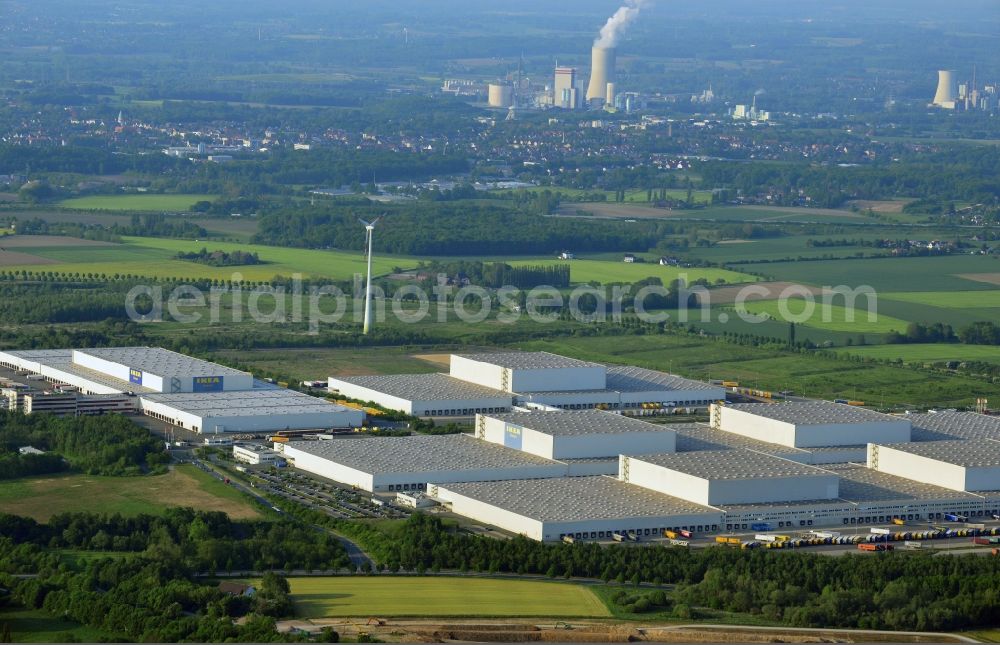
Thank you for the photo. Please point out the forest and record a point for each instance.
(104, 445)
(151, 593)
(448, 228)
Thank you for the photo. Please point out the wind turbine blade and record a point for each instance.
(364, 222)
(377, 219)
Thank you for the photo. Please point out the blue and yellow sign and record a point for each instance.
(135, 376)
(207, 384)
(512, 436)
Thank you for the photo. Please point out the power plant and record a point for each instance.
(947, 90)
(602, 72)
(501, 95)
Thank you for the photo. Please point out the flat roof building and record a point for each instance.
(437, 395)
(937, 426)
(810, 424)
(582, 507)
(714, 478)
(262, 409)
(961, 464)
(584, 434)
(866, 497)
(161, 370)
(409, 463)
(185, 391)
(628, 388)
(528, 371)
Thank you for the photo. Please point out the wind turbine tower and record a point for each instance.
(369, 233)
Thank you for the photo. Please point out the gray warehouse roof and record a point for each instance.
(815, 413)
(62, 359)
(424, 387)
(418, 453)
(257, 402)
(860, 485)
(970, 453)
(693, 437)
(731, 464)
(528, 360)
(637, 379)
(579, 422)
(576, 499)
(161, 362)
(954, 425)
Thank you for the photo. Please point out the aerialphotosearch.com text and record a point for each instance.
(317, 305)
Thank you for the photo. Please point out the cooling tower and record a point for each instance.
(602, 72)
(501, 95)
(947, 92)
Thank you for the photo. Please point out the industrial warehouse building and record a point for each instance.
(964, 465)
(714, 478)
(432, 395)
(584, 434)
(409, 463)
(689, 476)
(866, 497)
(181, 390)
(810, 424)
(583, 507)
(493, 382)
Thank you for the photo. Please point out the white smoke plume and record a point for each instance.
(615, 28)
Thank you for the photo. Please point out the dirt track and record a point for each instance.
(596, 631)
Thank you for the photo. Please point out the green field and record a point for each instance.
(441, 596)
(606, 271)
(43, 497)
(827, 317)
(142, 202)
(949, 299)
(155, 257)
(928, 353)
(890, 275)
(36, 626)
(320, 362)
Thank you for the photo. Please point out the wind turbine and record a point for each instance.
(369, 232)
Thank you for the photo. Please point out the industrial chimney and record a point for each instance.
(602, 72)
(947, 92)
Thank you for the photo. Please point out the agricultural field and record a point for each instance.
(927, 353)
(826, 316)
(43, 497)
(441, 596)
(891, 275)
(155, 257)
(769, 214)
(608, 271)
(141, 202)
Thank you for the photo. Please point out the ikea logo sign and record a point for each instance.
(207, 384)
(513, 436)
(135, 376)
